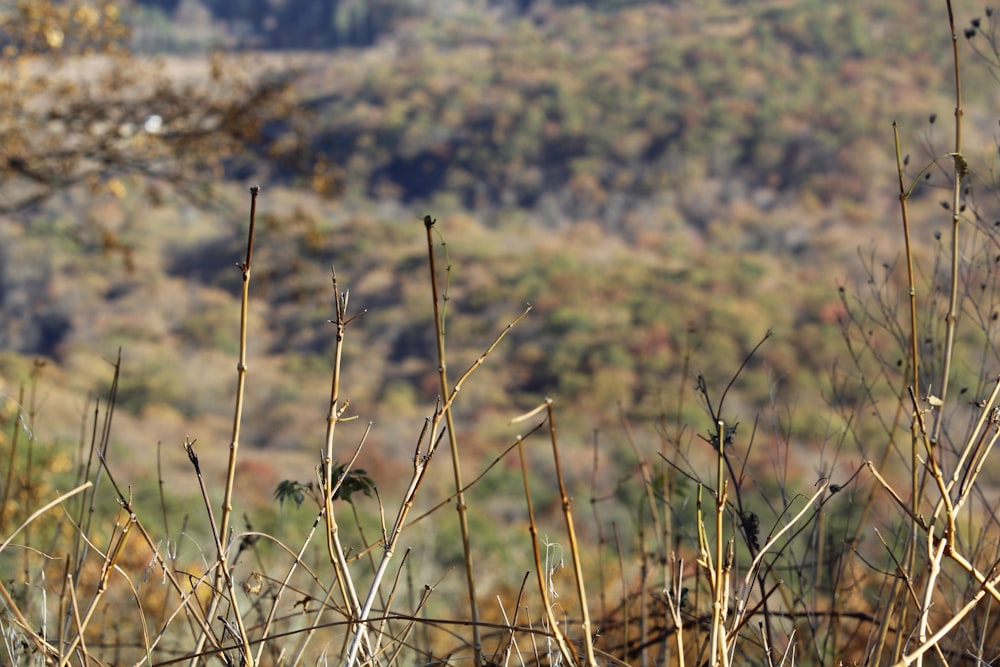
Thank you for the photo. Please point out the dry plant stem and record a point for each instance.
(433, 510)
(625, 591)
(98, 449)
(739, 618)
(911, 281)
(421, 459)
(935, 556)
(669, 473)
(819, 645)
(914, 363)
(643, 603)
(147, 647)
(950, 323)
(223, 565)
(234, 443)
(969, 464)
(658, 532)
(705, 560)
(339, 560)
(160, 484)
(936, 553)
(894, 595)
(344, 582)
(110, 557)
(977, 454)
(944, 499)
(382, 632)
(883, 460)
(961, 167)
(565, 650)
(574, 545)
(64, 595)
(75, 604)
(284, 584)
(648, 485)
(401, 644)
(975, 468)
(914, 349)
(187, 602)
(109, 564)
(988, 585)
(42, 510)
(27, 626)
(720, 590)
(28, 480)
(511, 641)
(482, 358)
(241, 372)
(674, 594)
(950, 625)
(334, 549)
(14, 440)
(453, 444)
(602, 541)
(314, 624)
(902, 504)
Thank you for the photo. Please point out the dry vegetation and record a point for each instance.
(754, 496)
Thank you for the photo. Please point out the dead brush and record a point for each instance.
(218, 611)
(883, 550)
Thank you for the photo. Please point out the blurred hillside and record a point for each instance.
(662, 182)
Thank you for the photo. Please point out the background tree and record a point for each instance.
(77, 108)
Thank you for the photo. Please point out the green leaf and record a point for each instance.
(290, 489)
(356, 481)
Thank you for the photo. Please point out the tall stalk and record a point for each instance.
(574, 546)
(961, 170)
(456, 465)
(421, 459)
(328, 485)
(241, 374)
(234, 443)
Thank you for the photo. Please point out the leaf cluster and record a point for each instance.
(355, 481)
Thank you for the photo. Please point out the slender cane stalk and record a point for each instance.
(470, 578)
(234, 443)
(565, 649)
(719, 587)
(223, 565)
(334, 413)
(961, 170)
(241, 374)
(574, 546)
